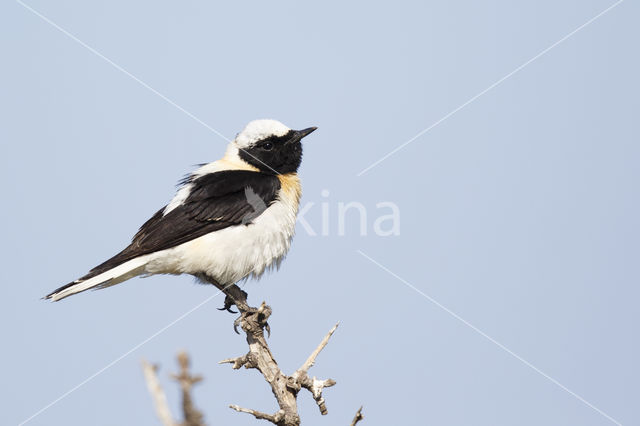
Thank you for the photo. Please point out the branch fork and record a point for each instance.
(285, 388)
(253, 322)
(192, 416)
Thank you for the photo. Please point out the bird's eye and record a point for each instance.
(267, 146)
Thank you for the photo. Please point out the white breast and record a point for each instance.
(234, 253)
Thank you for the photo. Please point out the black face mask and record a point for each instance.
(277, 154)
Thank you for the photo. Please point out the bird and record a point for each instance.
(229, 220)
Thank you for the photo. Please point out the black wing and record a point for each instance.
(216, 201)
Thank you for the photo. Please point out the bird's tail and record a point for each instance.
(102, 276)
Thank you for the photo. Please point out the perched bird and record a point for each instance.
(229, 220)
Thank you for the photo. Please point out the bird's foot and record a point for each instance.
(228, 303)
(252, 319)
(234, 296)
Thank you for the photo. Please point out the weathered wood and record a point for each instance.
(253, 322)
(157, 394)
(192, 416)
(359, 416)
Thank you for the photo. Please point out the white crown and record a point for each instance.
(258, 130)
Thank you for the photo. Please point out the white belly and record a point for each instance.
(234, 253)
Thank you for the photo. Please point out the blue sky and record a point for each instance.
(509, 295)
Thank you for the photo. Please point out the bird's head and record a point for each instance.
(271, 146)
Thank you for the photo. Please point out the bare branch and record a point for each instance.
(314, 385)
(240, 361)
(312, 358)
(253, 322)
(285, 388)
(157, 393)
(359, 416)
(273, 418)
(192, 416)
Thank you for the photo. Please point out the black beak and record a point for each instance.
(302, 133)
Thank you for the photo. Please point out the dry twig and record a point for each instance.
(253, 322)
(285, 388)
(157, 393)
(359, 416)
(192, 417)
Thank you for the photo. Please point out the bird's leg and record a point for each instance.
(234, 295)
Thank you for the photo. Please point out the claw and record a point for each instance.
(244, 314)
(236, 323)
(228, 303)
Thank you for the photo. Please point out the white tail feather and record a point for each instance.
(111, 277)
